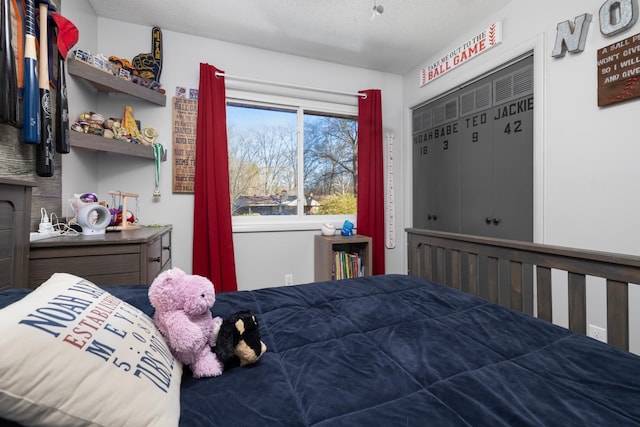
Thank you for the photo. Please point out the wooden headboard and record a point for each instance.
(506, 272)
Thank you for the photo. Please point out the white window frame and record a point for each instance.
(299, 222)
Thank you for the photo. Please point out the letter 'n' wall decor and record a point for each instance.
(618, 64)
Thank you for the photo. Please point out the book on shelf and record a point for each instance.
(347, 264)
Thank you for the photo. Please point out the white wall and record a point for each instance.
(78, 167)
(262, 258)
(586, 174)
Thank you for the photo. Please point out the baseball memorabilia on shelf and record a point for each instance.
(149, 65)
(181, 92)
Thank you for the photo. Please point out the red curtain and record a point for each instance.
(213, 255)
(371, 175)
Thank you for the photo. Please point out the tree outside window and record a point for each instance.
(291, 161)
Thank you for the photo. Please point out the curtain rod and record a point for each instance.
(246, 79)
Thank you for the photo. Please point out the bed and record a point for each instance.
(392, 350)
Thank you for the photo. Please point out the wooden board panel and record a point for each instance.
(578, 307)
(619, 270)
(18, 162)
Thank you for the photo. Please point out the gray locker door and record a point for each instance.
(513, 175)
(423, 193)
(436, 167)
(513, 155)
(497, 154)
(476, 190)
(447, 154)
(476, 145)
(423, 164)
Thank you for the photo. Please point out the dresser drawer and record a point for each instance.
(132, 257)
(154, 259)
(166, 250)
(101, 265)
(158, 256)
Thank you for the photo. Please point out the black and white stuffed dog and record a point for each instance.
(238, 342)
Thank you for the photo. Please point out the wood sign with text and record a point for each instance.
(619, 71)
(486, 39)
(185, 116)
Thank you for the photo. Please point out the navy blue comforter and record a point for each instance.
(399, 351)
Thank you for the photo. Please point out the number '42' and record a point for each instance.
(513, 127)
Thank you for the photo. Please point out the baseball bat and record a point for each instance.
(18, 8)
(30, 99)
(63, 144)
(44, 150)
(5, 63)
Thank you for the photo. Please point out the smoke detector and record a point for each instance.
(378, 9)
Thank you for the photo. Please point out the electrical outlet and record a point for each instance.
(288, 279)
(598, 333)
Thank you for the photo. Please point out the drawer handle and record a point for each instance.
(166, 248)
(156, 259)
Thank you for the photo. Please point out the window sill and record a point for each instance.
(280, 224)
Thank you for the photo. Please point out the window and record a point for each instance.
(291, 163)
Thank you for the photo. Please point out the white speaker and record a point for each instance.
(94, 219)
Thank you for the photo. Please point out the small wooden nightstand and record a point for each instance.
(326, 246)
(132, 257)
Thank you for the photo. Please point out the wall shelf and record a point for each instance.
(107, 145)
(107, 82)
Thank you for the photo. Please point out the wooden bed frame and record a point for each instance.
(503, 271)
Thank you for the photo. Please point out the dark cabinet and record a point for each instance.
(473, 157)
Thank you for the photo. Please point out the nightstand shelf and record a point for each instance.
(357, 247)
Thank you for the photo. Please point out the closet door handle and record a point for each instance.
(496, 221)
(156, 259)
(487, 220)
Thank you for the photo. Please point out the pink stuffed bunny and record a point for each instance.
(182, 303)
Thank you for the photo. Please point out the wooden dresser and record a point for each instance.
(15, 214)
(131, 257)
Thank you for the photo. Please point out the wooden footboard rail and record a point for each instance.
(503, 271)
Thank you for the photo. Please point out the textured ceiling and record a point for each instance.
(406, 34)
